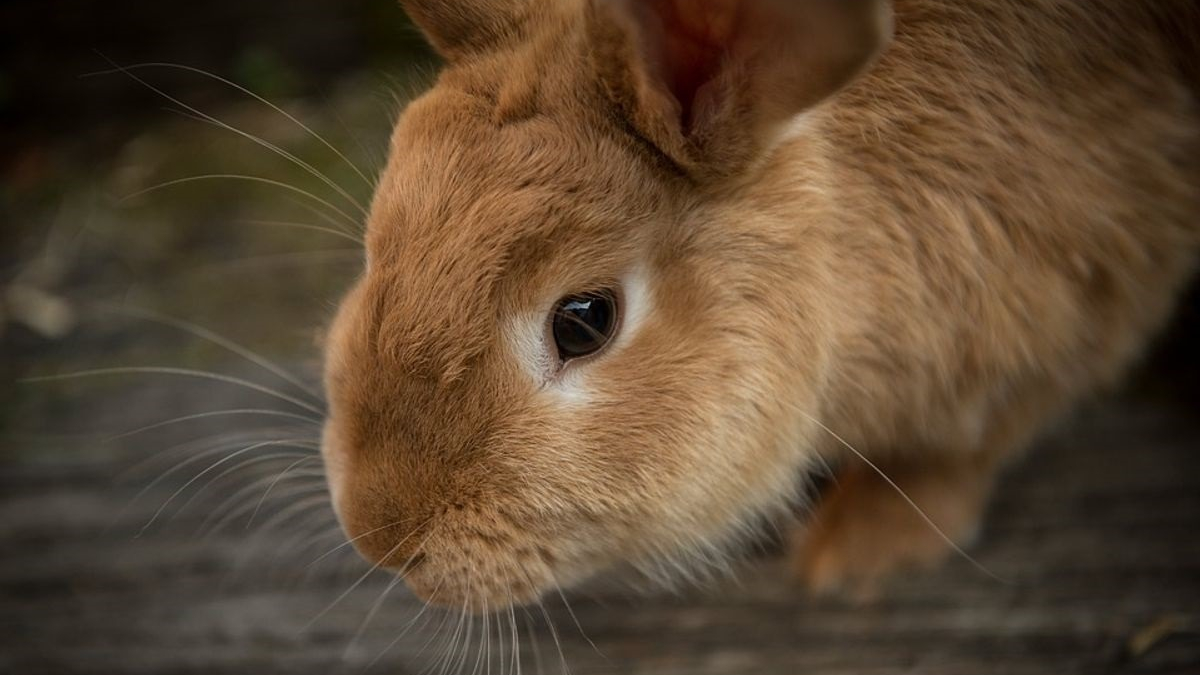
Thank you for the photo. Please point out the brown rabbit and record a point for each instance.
(635, 268)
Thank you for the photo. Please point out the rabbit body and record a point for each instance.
(897, 240)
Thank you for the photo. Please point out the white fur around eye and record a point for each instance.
(636, 307)
(527, 337)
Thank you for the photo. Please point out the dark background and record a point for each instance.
(70, 133)
(295, 48)
(1097, 528)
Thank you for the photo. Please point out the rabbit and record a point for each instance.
(636, 269)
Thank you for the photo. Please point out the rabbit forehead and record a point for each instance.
(472, 218)
(453, 167)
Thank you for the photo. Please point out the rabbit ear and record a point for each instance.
(710, 81)
(460, 27)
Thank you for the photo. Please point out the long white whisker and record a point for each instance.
(306, 226)
(335, 224)
(314, 500)
(516, 630)
(205, 117)
(366, 574)
(458, 627)
(514, 656)
(220, 447)
(181, 372)
(349, 220)
(195, 451)
(429, 640)
(485, 637)
(535, 643)
(348, 542)
(239, 466)
(498, 613)
(290, 157)
(400, 575)
(483, 633)
(211, 467)
(575, 619)
(554, 634)
(404, 631)
(362, 626)
(316, 504)
(903, 495)
(222, 342)
(465, 651)
(234, 508)
(447, 641)
(256, 97)
(287, 470)
(222, 516)
(264, 412)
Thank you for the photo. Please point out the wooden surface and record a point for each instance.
(1098, 533)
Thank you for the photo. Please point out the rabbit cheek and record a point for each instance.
(334, 460)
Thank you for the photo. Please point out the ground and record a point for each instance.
(1094, 534)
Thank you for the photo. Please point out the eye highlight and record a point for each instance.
(582, 324)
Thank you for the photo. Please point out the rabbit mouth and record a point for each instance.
(479, 579)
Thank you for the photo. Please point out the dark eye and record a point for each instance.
(582, 324)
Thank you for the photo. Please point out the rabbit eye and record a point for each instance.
(582, 324)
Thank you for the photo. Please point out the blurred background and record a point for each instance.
(181, 195)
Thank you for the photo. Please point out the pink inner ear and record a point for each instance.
(696, 37)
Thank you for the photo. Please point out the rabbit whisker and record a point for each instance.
(221, 341)
(237, 467)
(439, 631)
(369, 572)
(211, 467)
(348, 542)
(904, 495)
(264, 412)
(180, 372)
(514, 656)
(260, 99)
(236, 505)
(348, 219)
(575, 619)
(234, 440)
(533, 639)
(326, 217)
(408, 626)
(362, 626)
(306, 226)
(282, 474)
(396, 581)
(554, 634)
(200, 116)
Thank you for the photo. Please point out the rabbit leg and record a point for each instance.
(868, 527)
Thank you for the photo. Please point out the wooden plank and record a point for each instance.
(1097, 530)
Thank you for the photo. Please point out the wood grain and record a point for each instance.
(1098, 531)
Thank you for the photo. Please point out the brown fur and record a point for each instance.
(935, 262)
